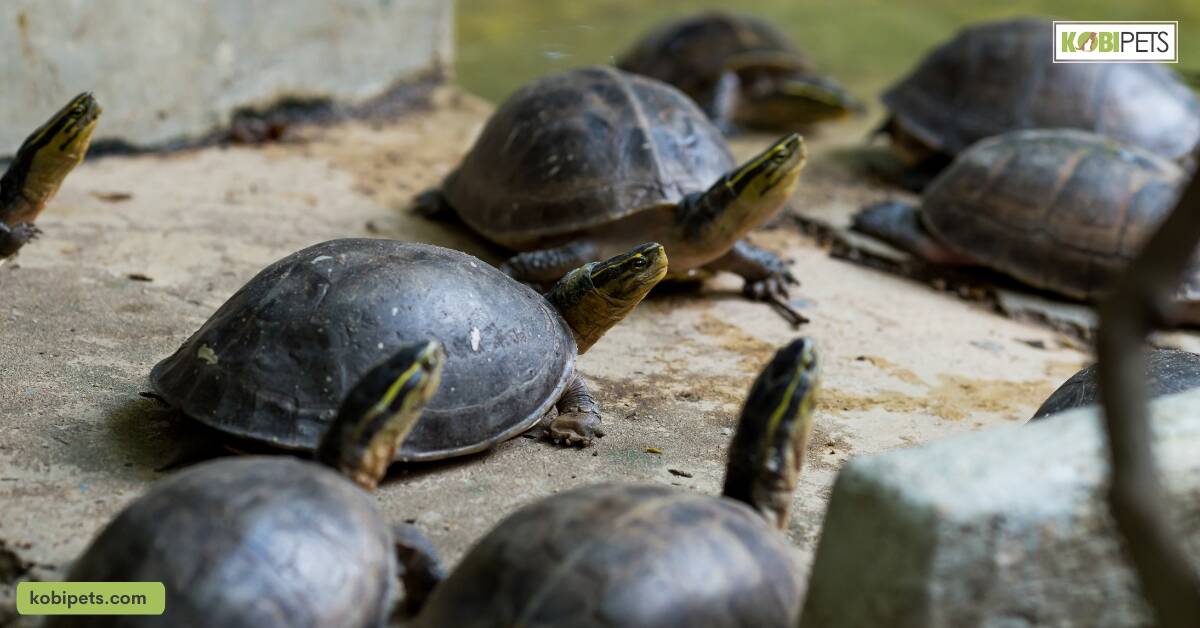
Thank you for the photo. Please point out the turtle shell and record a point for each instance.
(619, 555)
(1057, 209)
(693, 53)
(998, 77)
(580, 149)
(1168, 371)
(274, 362)
(249, 541)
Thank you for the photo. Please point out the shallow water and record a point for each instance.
(866, 44)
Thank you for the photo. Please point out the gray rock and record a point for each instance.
(1003, 528)
(172, 70)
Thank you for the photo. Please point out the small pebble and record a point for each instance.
(682, 474)
(653, 450)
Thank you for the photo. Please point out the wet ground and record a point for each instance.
(140, 250)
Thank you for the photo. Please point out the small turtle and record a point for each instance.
(275, 541)
(653, 556)
(1169, 371)
(742, 71)
(998, 77)
(39, 167)
(273, 363)
(1061, 210)
(583, 164)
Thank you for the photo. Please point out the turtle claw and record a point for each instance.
(773, 289)
(575, 429)
(26, 231)
(14, 237)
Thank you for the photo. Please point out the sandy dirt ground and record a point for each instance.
(139, 251)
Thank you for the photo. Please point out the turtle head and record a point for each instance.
(797, 101)
(744, 198)
(46, 157)
(770, 177)
(595, 296)
(767, 451)
(380, 411)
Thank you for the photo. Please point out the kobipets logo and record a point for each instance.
(1125, 42)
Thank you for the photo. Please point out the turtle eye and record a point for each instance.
(639, 263)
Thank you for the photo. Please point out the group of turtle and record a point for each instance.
(364, 352)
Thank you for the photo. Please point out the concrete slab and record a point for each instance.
(1004, 528)
(166, 71)
(139, 251)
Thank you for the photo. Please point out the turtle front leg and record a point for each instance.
(549, 265)
(15, 237)
(767, 277)
(578, 420)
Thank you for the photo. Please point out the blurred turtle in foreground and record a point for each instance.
(649, 556)
(1169, 371)
(259, 541)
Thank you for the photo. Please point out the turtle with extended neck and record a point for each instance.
(41, 164)
(272, 364)
(583, 164)
(642, 556)
(258, 541)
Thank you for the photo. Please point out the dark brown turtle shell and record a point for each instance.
(249, 542)
(618, 555)
(579, 149)
(693, 53)
(275, 361)
(998, 77)
(1168, 371)
(1057, 209)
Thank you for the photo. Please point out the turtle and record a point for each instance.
(272, 363)
(41, 164)
(741, 70)
(582, 164)
(275, 540)
(996, 77)
(1169, 371)
(641, 556)
(1061, 210)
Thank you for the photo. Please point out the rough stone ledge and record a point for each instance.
(1003, 528)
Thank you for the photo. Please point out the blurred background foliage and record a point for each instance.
(866, 44)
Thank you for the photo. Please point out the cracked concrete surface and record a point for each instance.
(139, 251)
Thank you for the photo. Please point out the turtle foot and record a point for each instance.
(432, 205)
(773, 289)
(17, 236)
(575, 429)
